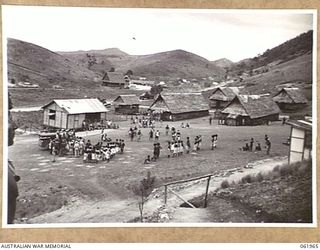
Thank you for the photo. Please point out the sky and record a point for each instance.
(212, 34)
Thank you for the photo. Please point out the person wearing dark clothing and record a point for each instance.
(151, 135)
(268, 145)
(251, 144)
(210, 120)
(246, 147)
(188, 145)
(258, 147)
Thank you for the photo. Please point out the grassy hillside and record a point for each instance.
(31, 63)
(285, 52)
(172, 64)
(223, 63)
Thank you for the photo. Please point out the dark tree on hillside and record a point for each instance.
(156, 89)
(112, 69)
(129, 72)
(91, 60)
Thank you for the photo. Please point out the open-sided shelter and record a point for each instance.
(179, 106)
(250, 110)
(71, 113)
(127, 104)
(290, 99)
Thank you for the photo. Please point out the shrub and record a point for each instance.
(246, 179)
(259, 177)
(225, 184)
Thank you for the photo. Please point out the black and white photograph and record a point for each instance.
(158, 117)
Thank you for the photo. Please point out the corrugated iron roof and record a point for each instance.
(80, 106)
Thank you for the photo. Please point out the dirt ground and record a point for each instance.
(47, 186)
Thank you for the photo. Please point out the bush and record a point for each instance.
(259, 177)
(246, 179)
(225, 184)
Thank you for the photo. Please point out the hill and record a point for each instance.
(288, 63)
(173, 64)
(223, 63)
(98, 61)
(31, 63)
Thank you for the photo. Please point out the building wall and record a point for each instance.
(291, 107)
(127, 109)
(165, 116)
(112, 84)
(247, 121)
(60, 120)
(296, 145)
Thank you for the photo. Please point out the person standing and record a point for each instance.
(151, 135)
(139, 135)
(167, 129)
(268, 145)
(251, 144)
(210, 120)
(157, 135)
(188, 145)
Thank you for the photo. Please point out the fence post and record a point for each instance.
(165, 194)
(207, 189)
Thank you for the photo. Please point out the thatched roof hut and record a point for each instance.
(114, 79)
(290, 99)
(221, 96)
(127, 104)
(179, 106)
(251, 110)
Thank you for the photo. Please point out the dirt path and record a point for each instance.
(116, 210)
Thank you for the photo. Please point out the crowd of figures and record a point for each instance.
(176, 146)
(250, 146)
(69, 144)
(92, 125)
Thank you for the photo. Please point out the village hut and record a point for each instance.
(114, 79)
(71, 113)
(180, 106)
(221, 96)
(246, 110)
(300, 140)
(290, 99)
(127, 104)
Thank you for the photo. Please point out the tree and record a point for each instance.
(112, 69)
(129, 72)
(143, 190)
(91, 60)
(156, 89)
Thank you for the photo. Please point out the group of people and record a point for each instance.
(250, 146)
(92, 125)
(66, 143)
(143, 122)
(101, 151)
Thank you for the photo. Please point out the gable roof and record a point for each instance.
(254, 106)
(224, 93)
(113, 77)
(80, 106)
(127, 99)
(182, 102)
(290, 95)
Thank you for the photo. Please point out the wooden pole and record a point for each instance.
(191, 205)
(165, 194)
(207, 189)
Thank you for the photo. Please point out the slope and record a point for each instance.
(28, 62)
(170, 64)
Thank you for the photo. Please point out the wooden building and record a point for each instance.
(290, 99)
(127, 104)
(180, 106)
(300, 141)
(246, 110)
(221, 96)
(113, 79)
(71, 113)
